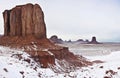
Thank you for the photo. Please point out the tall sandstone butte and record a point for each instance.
(24, 20)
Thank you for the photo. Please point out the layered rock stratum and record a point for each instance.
(24, 20)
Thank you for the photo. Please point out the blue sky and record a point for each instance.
(76, 19)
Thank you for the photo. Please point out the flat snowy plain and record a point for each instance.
(13, 63)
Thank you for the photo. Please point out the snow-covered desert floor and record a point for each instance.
(108, 53)
(18, 64)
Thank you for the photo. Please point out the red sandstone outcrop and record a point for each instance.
(55, 39)
(44, 57)
(93, 41)
(24, 20)
(24, 28)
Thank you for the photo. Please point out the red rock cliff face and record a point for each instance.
(24, 28)
(24, 20)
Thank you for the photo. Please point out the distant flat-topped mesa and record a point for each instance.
(24, 20)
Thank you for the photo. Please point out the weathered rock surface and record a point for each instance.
(82, 41)
(44, 57)
(94, 41)
(24, 28)
(79, 40)
(24, 20)
(55, 39)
